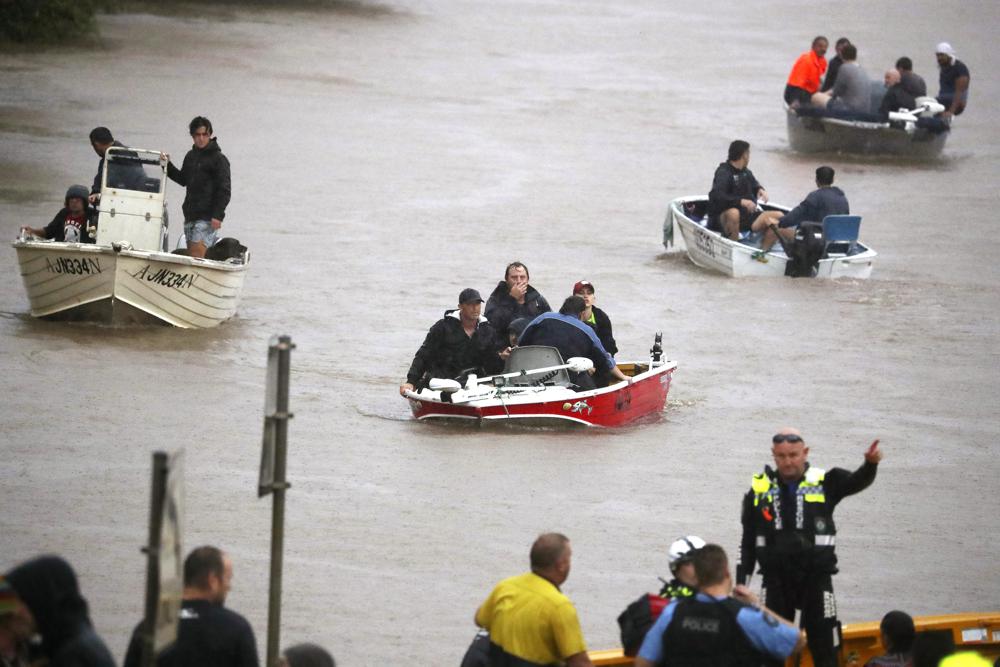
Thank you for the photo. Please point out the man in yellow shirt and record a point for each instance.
(530, 621)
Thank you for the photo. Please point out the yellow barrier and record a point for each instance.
(862, 641)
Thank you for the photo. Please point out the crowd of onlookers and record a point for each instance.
(843, 86)
(45, 621)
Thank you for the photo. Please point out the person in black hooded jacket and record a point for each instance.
(514, 298)
(460, 340)
(205, 174)
(48, 589)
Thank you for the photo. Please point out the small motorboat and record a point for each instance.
(842, 255)
(535, 389)
(911, 133)
(128, 276)
(970, 631)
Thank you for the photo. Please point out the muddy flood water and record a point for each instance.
(386, 156)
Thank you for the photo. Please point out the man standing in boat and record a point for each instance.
(101, 140)
(205, 174)
(954, 80)
(462, 339)
(732, 202)
(513, 297)
(788, 530)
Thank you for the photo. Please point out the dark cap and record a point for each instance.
(469, 295)
(583, 283)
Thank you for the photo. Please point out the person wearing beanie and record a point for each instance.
(72, 223)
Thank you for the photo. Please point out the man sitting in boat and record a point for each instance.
(896, 95)
(825, 200)
(954, 81)
(732, 202)
(912, 82)
(513, 297)
(566, 332)
(804, 79)
(462, 339)
(72, 223)
(595, 317)
(852, 91)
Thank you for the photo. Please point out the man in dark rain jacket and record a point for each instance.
(514, 298)
(460, 340)
(788, 530)
(50, 604)
(205, 174)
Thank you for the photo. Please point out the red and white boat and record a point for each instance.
(535, 389)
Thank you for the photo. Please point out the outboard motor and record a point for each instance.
(656, 352)
(805, 251)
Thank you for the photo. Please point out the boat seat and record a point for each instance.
(840, 235)
(528, 357)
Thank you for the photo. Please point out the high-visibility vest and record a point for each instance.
(812, 524)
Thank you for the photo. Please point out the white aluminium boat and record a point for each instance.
(127, 276)
(842, 258)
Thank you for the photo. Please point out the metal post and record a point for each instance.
(152, 550)
(278, 508)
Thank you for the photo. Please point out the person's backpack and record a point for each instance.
(805, 251)
(637, 619)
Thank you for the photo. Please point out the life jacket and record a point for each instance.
(808, 537)
(706, 634)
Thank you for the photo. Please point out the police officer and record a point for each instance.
(713, 628)
(788, 530)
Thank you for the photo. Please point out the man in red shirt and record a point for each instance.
(807, 73)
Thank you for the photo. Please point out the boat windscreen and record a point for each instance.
(131, 172)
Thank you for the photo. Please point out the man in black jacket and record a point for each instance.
(460, 340)
(732, 202)
(205, 174)
(101, 140)
(595, 317)
(49, 604)
(208, 633)
(788, 530)
(514, 298)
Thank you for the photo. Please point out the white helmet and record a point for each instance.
(682, 550)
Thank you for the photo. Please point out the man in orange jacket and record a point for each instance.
(807, 73)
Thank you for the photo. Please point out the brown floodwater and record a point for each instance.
(382, 161)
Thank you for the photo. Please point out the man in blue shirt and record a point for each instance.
(566, 332)
(716, 628)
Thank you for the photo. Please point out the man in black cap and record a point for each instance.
(463, 339)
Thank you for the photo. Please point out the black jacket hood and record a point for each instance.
(48, 587)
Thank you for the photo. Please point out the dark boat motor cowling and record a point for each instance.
(805, 251)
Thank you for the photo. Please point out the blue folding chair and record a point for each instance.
(840, 234)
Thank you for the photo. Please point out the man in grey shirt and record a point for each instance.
(852, 91)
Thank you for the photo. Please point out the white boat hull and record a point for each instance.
(97, 283)
(712, 251)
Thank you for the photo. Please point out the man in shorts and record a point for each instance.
(205, 174)
(732, 203)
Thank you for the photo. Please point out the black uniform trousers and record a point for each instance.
(813, 594)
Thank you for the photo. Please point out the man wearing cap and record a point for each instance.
(595, 317)
(462, 339)
(71, 224)
(788, 530)
(954, 80)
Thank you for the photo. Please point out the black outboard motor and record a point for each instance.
(656, 352)
(805, 251)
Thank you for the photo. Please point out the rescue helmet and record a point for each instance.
(682, 550)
